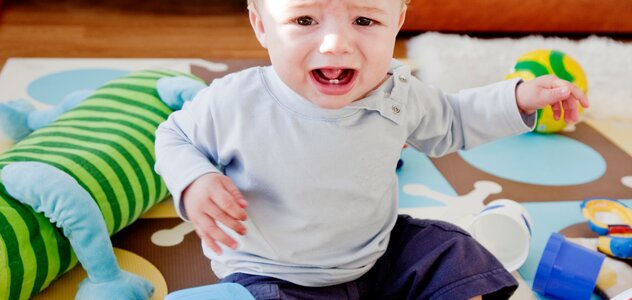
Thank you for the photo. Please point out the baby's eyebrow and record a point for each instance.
(365, 9)
(303, 3)
(370, 9)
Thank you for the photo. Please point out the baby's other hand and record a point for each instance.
(549, 90)
(214, 198)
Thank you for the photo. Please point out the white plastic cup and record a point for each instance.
(504, 228)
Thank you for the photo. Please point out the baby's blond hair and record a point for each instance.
(251, 2)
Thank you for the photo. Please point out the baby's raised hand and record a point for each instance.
(549, 90)
(214, 198)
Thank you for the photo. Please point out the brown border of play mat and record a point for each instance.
(462, 176)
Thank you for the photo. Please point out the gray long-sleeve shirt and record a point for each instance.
(320, 183)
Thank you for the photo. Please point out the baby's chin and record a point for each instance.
(333, 102)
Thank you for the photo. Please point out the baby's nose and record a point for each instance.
(336, 43)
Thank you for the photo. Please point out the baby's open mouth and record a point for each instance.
(334, 81)
(333, 76)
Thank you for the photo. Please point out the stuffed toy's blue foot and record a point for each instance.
(61, 199)
(174, 91)
(14, 118)
(40, 118)
(124, 286)
(18, 118)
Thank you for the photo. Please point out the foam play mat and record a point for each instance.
(549, 175)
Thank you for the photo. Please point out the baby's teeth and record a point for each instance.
(334, 81)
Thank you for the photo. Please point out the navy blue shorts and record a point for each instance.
(425, 259)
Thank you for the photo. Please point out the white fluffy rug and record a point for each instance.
(453, 62)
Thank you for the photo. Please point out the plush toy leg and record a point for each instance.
(18, 118)
(13, 118)
(40, 118)
(174, 91)
(61, 199)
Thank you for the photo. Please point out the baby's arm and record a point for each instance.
(213, 198)
(442, 123)
(186, 158)
(550, 90)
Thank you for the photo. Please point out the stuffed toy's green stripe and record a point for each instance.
(115, 95)
(56, 247)
(133, 91)
(115, 112)
(142, 138)
(149, 83)
(163, 73)
(106, 144)
(129, 151)
(98, 161)
(108, 136)
(117, 99)
(143, 153)
(128, 97)
(94, 181)
(142, 149)
(11, 264)
(21, 229)
(103, 122)
(120, 160)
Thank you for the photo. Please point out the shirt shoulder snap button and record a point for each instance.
(402, 78)
(396, 109)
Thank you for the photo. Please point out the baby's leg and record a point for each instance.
(427, 259)
(424, 259)
(264, 287)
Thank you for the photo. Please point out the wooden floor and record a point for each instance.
(217, 29)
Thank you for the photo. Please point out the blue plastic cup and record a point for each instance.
(567, 270)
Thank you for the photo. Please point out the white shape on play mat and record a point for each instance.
(459, 210)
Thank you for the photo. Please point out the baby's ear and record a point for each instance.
(257, 25)
(402, 17)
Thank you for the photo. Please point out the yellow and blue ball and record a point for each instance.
(542, 62)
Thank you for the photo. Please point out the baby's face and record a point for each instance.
(331, 52)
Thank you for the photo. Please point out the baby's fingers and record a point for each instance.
(216, 213)
(579, 96)
(208, 230)
(557, 110)
(225, 200)
(234, 191)
(571, 110)
(208, 240)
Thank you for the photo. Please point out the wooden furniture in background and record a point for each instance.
(212, 29)
(219, 29)
(521, 16)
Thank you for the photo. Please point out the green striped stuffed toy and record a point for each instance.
(90, 173)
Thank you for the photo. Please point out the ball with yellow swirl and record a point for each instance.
(542, 62)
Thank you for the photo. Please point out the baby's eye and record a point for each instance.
(363, 21)
(305, 21)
